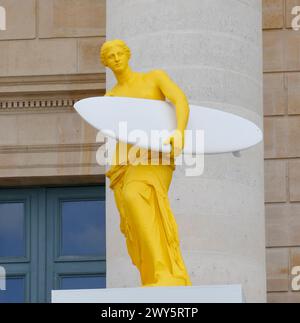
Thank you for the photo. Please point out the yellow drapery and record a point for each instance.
(147, 221)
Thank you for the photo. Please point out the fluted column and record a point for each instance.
(213, 50)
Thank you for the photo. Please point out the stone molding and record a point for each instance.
(13, 149)
(44, 94)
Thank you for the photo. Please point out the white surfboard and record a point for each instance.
(223, 132)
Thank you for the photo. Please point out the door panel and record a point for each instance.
(76, 221)
(18, 243)
(51, 238)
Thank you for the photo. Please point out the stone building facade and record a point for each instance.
(48, 171)
(48, 61)
(282, 147)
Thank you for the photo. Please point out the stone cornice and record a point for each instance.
(37, 105)
(51, 83)
(52, 93)
(13, 149)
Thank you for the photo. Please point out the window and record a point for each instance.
(12, 229)
(15, 291)
(51, 238)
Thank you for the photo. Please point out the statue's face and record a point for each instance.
(116, 59)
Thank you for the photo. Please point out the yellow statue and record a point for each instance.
(141, 191)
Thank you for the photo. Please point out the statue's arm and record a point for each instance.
(173, 93)
(108, 93)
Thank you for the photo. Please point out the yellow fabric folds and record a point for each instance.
(147, 222)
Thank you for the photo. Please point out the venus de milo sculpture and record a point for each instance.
(141, 190)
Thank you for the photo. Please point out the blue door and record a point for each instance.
(51, 238)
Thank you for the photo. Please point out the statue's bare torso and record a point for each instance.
(142, 85)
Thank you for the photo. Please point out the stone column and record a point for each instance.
(213, 50)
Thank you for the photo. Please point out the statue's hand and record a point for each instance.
(176, 140)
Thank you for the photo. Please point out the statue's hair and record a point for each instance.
(108, 44)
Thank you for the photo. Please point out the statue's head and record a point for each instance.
(115, 54)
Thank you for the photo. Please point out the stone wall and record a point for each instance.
(282, 147)
(49, 58)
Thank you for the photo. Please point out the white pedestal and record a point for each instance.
(182, 294)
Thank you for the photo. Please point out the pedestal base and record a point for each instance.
(182, 294)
